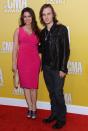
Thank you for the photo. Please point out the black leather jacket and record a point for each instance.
(59, 47)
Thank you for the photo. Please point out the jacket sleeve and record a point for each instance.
(40, 44)
(65, 49)
(40, 48)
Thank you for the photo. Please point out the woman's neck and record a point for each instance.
(28, 27)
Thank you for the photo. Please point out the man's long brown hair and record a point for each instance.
(41, 11)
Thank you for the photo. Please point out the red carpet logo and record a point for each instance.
(14, 5)
(1, 78)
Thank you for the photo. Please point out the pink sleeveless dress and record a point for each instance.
(28, 62)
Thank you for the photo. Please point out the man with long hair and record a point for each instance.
(55, 54)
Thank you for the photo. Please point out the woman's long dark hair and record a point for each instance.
(35, 27)
(41, 11)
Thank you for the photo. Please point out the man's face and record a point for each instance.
(47, 15)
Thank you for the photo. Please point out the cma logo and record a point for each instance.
(55, 1)
(68, 98)
(75, 68)
(18, 91)
(1, 78)
(15, 5)
(6, 47)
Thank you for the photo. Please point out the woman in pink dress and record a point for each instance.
(26, 59)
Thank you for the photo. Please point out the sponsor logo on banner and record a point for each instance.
(14, 5)
(75, 68)
(1, 78)
(6, 47)
(68, 98)
(56, 1)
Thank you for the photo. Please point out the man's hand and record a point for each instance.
(62, 74)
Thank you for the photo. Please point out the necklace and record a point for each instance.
(46, 35)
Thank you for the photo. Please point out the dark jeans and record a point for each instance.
(55, 86)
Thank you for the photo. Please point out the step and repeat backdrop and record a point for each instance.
(72, 13)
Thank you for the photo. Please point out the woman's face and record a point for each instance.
(27, 18)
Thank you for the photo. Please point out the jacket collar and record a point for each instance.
(52, 28)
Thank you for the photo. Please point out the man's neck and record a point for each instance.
(49, 26)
